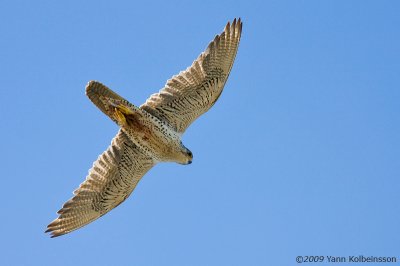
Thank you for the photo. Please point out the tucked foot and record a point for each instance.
(119, 116)
(124, 109)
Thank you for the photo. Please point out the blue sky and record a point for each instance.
(300, 156)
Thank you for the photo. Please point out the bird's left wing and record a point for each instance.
(110, 181)
(192, 92)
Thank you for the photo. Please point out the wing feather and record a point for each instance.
(194, 91)
(110, 181)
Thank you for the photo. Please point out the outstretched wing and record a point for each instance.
(110, 181)
(192, 92)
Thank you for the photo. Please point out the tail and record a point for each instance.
(110, 103)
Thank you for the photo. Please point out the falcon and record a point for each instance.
(148, 134)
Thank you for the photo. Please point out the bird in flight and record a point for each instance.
(148, 134)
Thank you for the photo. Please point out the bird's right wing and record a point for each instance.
(110, 181)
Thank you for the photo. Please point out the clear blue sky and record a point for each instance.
(300, 156)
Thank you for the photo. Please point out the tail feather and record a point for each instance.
(109, 102)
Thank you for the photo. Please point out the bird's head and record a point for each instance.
(185, 155)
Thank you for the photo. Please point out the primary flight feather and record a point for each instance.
(148, 134)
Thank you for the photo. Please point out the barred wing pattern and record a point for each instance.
(110, 181)
(194, 91)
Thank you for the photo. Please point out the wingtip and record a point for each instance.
(53, 227)
(50, 231)
(236, 25)
(53, 235)
(54, 232)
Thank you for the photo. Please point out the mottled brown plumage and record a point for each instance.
(149, 134)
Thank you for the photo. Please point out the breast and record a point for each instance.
(151, 135)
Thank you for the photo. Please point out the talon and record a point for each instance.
(124, 109)
(120, 113)
(119, 116)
